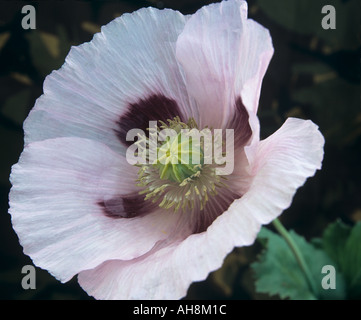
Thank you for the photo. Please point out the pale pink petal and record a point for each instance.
(132, 58)
(168, 272)
(152, 276)
(54, 205)
(223, 56)
(281, 164)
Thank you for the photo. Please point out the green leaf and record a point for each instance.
(15, 107)
(335, 106)
(48, 51)
(225, 277)
(304, 17)
(4, 37)
(277, 271)
(11, 145)
(343, 245)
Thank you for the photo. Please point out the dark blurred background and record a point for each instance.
(314, 74)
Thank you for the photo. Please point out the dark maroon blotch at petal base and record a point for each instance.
(127, 206)
(154, 108)
(213, 209)
(240, 124)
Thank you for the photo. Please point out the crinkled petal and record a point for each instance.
(54, 204)
(132, 58)
(223, 56)
(168, 272)
(280, 165)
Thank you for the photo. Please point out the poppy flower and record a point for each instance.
(148, 231)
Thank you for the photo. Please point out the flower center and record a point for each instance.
(178, 175)
(177, 159)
